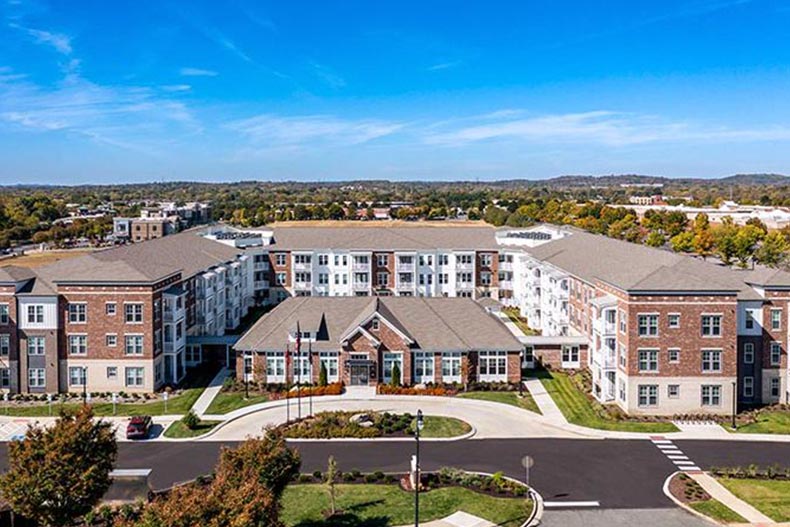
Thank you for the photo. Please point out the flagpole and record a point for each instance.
(299, 365)
(287, 399)
(310, 362)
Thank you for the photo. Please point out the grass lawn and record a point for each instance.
(718, 511)
(578, 409)
(771, 497)
(386, 505)
(226, 402)
(768, 422)
(179, 430)
(526, 402)
(438, 426)
(519, 321)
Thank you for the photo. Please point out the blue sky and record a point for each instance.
(97, 91)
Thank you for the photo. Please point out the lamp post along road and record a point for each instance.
(84, 385)
(520, 374)
(734, 404)
(417, 430)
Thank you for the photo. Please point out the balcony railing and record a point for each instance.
(303, 285)
(506, 284)
(465, 266)
(361, 267)
(261, 266)
(361, 286)
(405, 267)
(261, 284)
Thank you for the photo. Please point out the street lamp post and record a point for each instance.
(520, 375)
(246, 379)
(84, 385)
(734, 404)
(418, 428)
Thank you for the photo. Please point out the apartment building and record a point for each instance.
(132, 318)
(360, 340)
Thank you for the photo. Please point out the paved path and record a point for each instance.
(720, 493)
(211, 391)
(547, 406)
(622, 518)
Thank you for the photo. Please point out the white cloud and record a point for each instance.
(272, 130)
(176, 87)
(59, 41)
(444, 65)
(328, 75)
(197, 72)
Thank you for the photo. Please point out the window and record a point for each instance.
(382, 279)
(621, 389)
(443, 278)
(748, 353)
(648, 395)
(303, 278)
(623, 321)
(275, 366)
(4, 314)
(673, 391)
(711, 395)
(279, 278)
(423, 367)
(35, 345)
(648, 360)
(280, 259)
(329, 360)
(78, 344)
(776, 353)
(323, 259)
(78, 313)
(110, 308)
(648, 325)
(775, 387)
(77, 376)
(570, 354)
(134, 313)
(35, 314)
(133, 344)
(426, 279)
(303, 259)
(134, 376)
(451, 366)
(748, 386)
(492, 365)
(711, 361)
(111, 340)
(112, 372)
(711, 325)
(485, 260)
(674, 355)
(444, 259)
(5, 378)
(323, 278)
(5, 345)
(464, 259)
(485, 278)
(374, 324)
(36, 377)
(749, 321)
(776, 319)
(674, 320)
(382, 260)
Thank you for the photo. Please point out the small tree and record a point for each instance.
(331, 487)
(395, 380)
(322, 375)
(191, 420)
(58, 474)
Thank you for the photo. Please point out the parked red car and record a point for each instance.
(139, 427)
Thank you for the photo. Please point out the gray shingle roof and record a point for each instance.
(384, 238)
(15, 273)
(435, 324)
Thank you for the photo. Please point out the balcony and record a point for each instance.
(465, 266)
(405, 267)
(261, 266)
(505, 266)
(261, 284)
(464, 285)
(360, 267)
(604, 328)
(173, 315)
(506, 284)
(303, 286)
(361, 286)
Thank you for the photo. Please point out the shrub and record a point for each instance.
(191, 420)
(322, 375)
(395, 380)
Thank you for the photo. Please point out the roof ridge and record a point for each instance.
(450, 328)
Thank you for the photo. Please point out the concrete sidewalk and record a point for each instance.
(719, 492)
(211, 391)
(547, 406)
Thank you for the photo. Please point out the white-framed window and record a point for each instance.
(110, 308)
(673, 391)
(5, 316)
(749, 321)
(388, 364)
(485, 260)
(111, 340)
(748, 386)
(492, 365)
(776, 353)
(463, 259)
(648, 360)
(486, 278)
(330, 361)
(35, 314)
(5, 377)
(444, 278)
(37, 377)
(674, 355)
(622, 354)
(301, 366)
(374, 324)
(36, 345)
(621, 389)
(570, 355)
(423, 367)
(303, 259)
(451, 366)
(623, 321)
(78, 344)
(78, 313)
(323, 278)
(674, 320)
(748, 353)
(275, 366)
(647, 324)
(280, 278)
(77, 376)
(775, 387)
(133, 344)
(776, 319)
(444, 259)
(5, 345)
(135, 375)
(382, 260)
(382, 279)
(648, 395)
(711, 395)
(280, 259)
(323, 259)
(711, 361)
(134, 313)
(711, 325)
(112, 372)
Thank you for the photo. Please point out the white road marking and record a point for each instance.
(559, 504)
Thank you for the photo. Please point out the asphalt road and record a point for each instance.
(620, 474)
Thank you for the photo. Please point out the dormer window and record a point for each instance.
(374, 324)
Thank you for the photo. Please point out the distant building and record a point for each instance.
(772, 217)
(164, 219)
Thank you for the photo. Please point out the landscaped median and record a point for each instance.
(370, 425)
(571, 393)
(690, 494)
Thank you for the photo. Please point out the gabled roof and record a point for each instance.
(432, 323)
(15, 274)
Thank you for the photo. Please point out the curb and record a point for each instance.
(682, 505)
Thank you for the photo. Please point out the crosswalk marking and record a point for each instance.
(674, 454)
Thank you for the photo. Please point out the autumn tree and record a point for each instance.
(773, 251)
(57, 474)
(330, 479)
(683, 242)
(745, 243)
